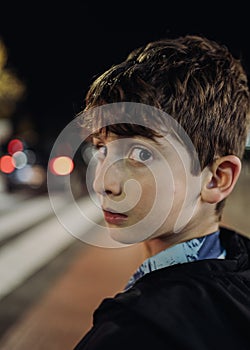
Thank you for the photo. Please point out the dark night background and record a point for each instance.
(56, 50)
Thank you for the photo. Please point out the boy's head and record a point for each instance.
(194, 80)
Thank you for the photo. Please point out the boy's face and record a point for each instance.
(145, 187)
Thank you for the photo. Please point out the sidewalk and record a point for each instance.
(60, 318)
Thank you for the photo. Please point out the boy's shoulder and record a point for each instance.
(182, 305)
(195, 287)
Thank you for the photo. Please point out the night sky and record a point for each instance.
(57, 50)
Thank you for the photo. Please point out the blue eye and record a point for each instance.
(140, 154)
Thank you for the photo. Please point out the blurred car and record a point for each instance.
(21, 167)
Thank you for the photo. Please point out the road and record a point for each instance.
(37, 255)
(31, 235)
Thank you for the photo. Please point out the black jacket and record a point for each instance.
(192, 306)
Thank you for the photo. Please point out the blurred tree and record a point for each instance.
(11, 88)
(11, 91)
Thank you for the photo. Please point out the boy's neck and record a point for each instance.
(197, 228)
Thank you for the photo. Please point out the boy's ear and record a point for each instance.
(221, 178)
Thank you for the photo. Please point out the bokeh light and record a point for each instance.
(6, 164)
(31, 156)
(14, 146)
(61, 165)
(19, 159)
(32, 175)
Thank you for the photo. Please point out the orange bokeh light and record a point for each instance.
(61, 165)
(6, 164)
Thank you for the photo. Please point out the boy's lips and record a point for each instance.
(114, 218)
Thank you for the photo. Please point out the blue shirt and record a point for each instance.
(207, 247)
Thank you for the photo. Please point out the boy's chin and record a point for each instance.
(126, 235)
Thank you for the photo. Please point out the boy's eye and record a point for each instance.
(140, 154)
(100, 151)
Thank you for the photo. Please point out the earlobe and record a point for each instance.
(221, 178)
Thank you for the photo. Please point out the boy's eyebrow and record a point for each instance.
(101, 137)
(96, 134)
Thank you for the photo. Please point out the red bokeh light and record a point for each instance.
(6, 164)
(15, 145)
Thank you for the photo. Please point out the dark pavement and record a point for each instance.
(59, 315)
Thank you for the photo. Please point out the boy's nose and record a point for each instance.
(108, 179)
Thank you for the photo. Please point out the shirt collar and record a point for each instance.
(207, 247)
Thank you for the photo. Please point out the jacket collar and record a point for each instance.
(237, 247)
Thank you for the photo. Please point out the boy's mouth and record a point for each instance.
(113, 217)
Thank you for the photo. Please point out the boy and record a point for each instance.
(162, 177)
